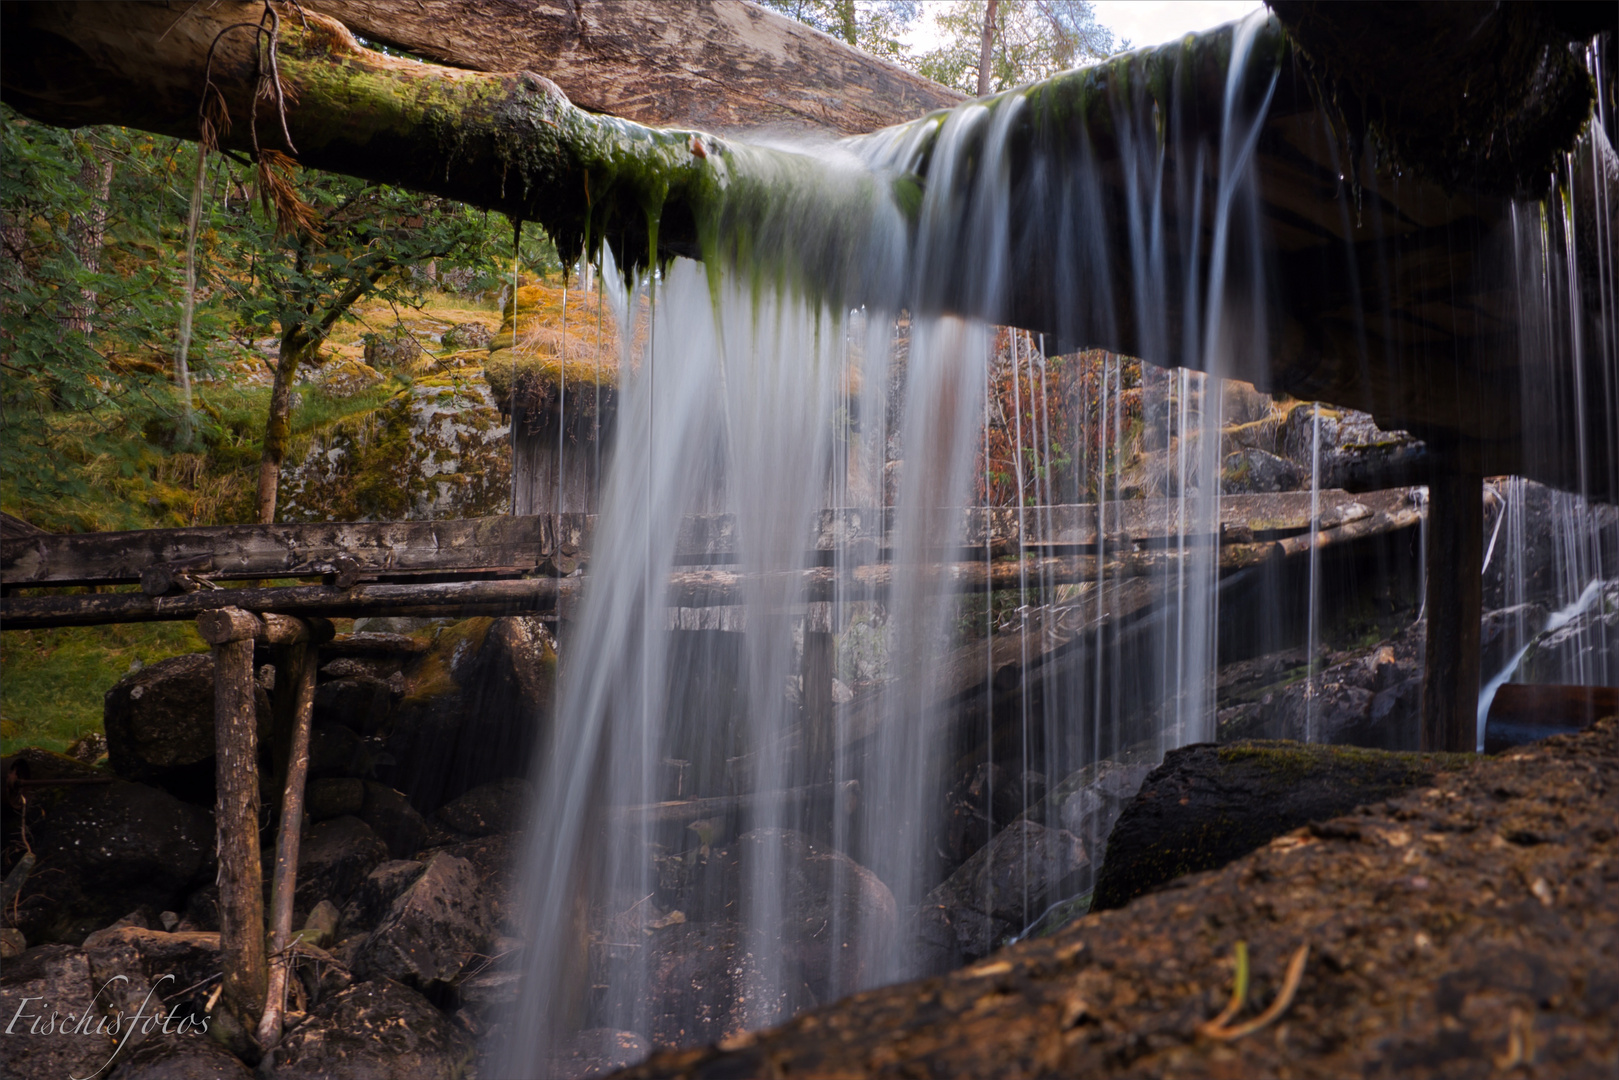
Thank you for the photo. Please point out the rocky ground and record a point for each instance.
(1466, 929)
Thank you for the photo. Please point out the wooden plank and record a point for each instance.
(517, 545)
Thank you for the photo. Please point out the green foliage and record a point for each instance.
(877, 26)
(1033, 39)
(55, 679)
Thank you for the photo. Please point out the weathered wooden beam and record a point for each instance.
(719, 65)
(230, 632)
(686, 588)
(1454, 605)
(402, 549)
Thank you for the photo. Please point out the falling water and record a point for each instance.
(806, 482)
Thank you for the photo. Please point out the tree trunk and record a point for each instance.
(719, 65)
(236, 813)
(295, 351)
(89, 230)
(986, 47)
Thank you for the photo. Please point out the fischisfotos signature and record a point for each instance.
(43, 1020)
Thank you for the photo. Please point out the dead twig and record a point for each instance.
(1217, 1029)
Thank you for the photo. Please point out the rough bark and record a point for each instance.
(299, 662)
(1466, 929)
(89, 229)
(236, 812)
(720, 65)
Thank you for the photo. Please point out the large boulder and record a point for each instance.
(160, 726)
(104, 848)
(333, 859)
(982, 802)
(1005, 886)
(432, 928)
(473, 710)
(143, 971)
(372, 898)
(1208, 804)
(374, 1030)
(186, 1057)
(496, 807)
(44, 991)
(392, 818)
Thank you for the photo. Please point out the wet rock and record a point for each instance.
(41, 992)
(361, 702)
(596, 1052)
(1207, 805)
(104, 848)
(981, 803)
(820, 887)
(1253, 471)
(331, 797)
(391, 817)
(160, 726)
(1582, 649)
(707, 981)
(185, 1057)
(370, 900)
(333, 859)
(1504, 632)
(1354, 453)
(473, 710)
(1005, 886)
(1089, 800)
(496, 807)
(432, 928)
(374, 1030)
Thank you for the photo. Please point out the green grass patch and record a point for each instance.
(52, 681)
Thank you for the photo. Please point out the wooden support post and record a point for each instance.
(236, 812)
(298, 664)
(1455, 561)
(819, 716)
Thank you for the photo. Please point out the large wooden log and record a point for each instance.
(720, 65)
(686, 588)
(402, 550)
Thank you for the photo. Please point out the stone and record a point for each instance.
(495, 859)
(1578, 647)
(347, 377)
(103, 848)
(335, 750)
(144, 971)
(474, 709)
(597, 1052)
(1252, 470)
(374, 1030)
(821, 887)
(372, 898)
(361, 702)
(322, 923)
(12, 943)
(1088, 801)
(160, 726)
(496, 807)
(334, 796)
(391, 817)
(185, 1057)
(395, 350)
(1354, 453)
(333, 859)
(41, 992)
(1006, 885)
(1208, 804)
(981, 803)
(432, 928)
(468, 335)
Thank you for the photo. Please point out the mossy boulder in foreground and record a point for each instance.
(1207, 805)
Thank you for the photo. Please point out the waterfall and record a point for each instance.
(741, 806)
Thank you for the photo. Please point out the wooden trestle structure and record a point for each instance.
(539, 565)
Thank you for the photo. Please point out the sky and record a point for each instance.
(1142, 22)
(1153, 22)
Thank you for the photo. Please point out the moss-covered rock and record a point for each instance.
(1207, 805)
